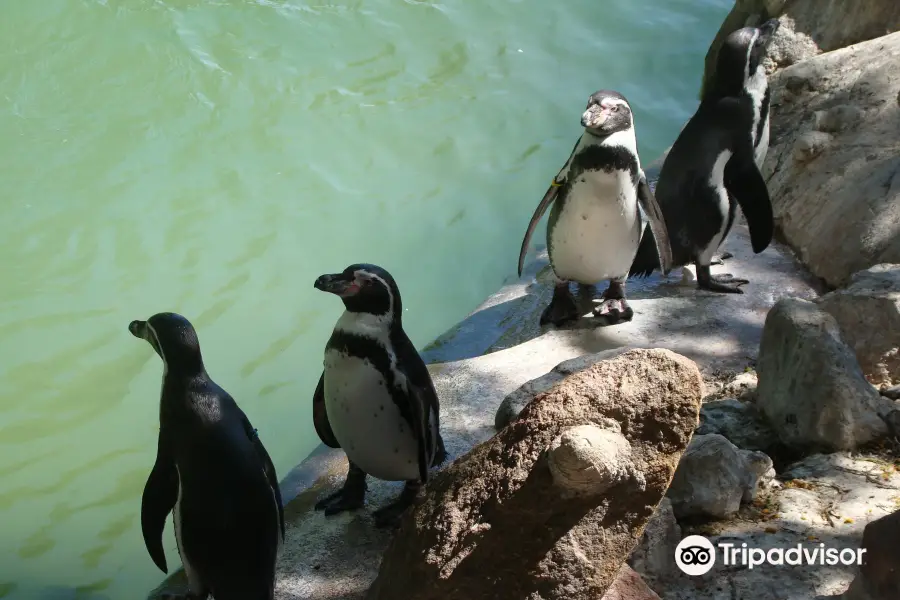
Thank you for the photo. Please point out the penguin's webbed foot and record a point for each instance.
(562, 307)
(720, 259)
(613, 308)
(351, 496)
(613, 311)
(388, 517)
(724, 283)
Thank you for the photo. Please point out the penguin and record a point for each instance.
(601, 205)
(375, 398)
(713, 166)
(212, 473)
(757, 87)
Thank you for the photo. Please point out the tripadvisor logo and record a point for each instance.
(696, 555)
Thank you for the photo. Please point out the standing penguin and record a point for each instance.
(601, 202)
(375, 398)
(212, 473)
(713, 167)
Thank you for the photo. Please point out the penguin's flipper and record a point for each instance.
(421, 427)
(426, 406)
(320, 416)
(157, 501)
(268, 468)
(647, 258)
(742, 177)
(744, 181)
(548, 199)
(657, 223)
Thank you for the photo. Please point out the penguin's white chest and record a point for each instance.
(596, 235)
(193, 578)
(365, 420)
(762, 145)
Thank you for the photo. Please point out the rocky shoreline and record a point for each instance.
(796, 441)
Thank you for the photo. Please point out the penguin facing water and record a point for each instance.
(375, 398)
(713, 167)
(212, 473)
(601, 203)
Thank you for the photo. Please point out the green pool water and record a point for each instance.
(212, 158)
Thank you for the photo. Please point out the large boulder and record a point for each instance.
(628, 585)
(879, 575)
(811, 388)
(514, 403)
(715, 477)
(868, 313)
(551, 506)
(833, 167)
(809, 27)
(740, 422)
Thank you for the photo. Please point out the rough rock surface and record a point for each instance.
(652, 557)
(513, 404)
(823, 499)
(500, 524)
(628, 585)
(809, 26)
(714, 477)
(811, 388)
(740, 422)
(868, 313)
(743, 386)
(833, 166)
(879, 575)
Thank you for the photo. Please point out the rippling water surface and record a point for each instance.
(212, 158)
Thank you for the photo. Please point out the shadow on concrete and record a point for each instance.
(669, 312)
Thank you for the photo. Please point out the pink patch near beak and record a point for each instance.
(351, 290)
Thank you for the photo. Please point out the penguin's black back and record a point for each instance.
(688, 201)
(230, 521)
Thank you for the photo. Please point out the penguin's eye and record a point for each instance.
(614, 108)
(366, 282)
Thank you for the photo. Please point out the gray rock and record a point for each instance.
(851, 191)
(652, 557)
(743, 386)
(811, 388)
(740, 422)
(804, 76)
(838, 118)
(714, 477)
(810, 145)
(868, 314)
(809, 26)
(891, 392)
(513, 404)
(826, 499)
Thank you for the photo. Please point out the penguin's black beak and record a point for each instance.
(338, 284)
(767, 31)
(137, 328)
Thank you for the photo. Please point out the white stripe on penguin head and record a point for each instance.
(387, 287)
(159, 347)
(749, 52)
